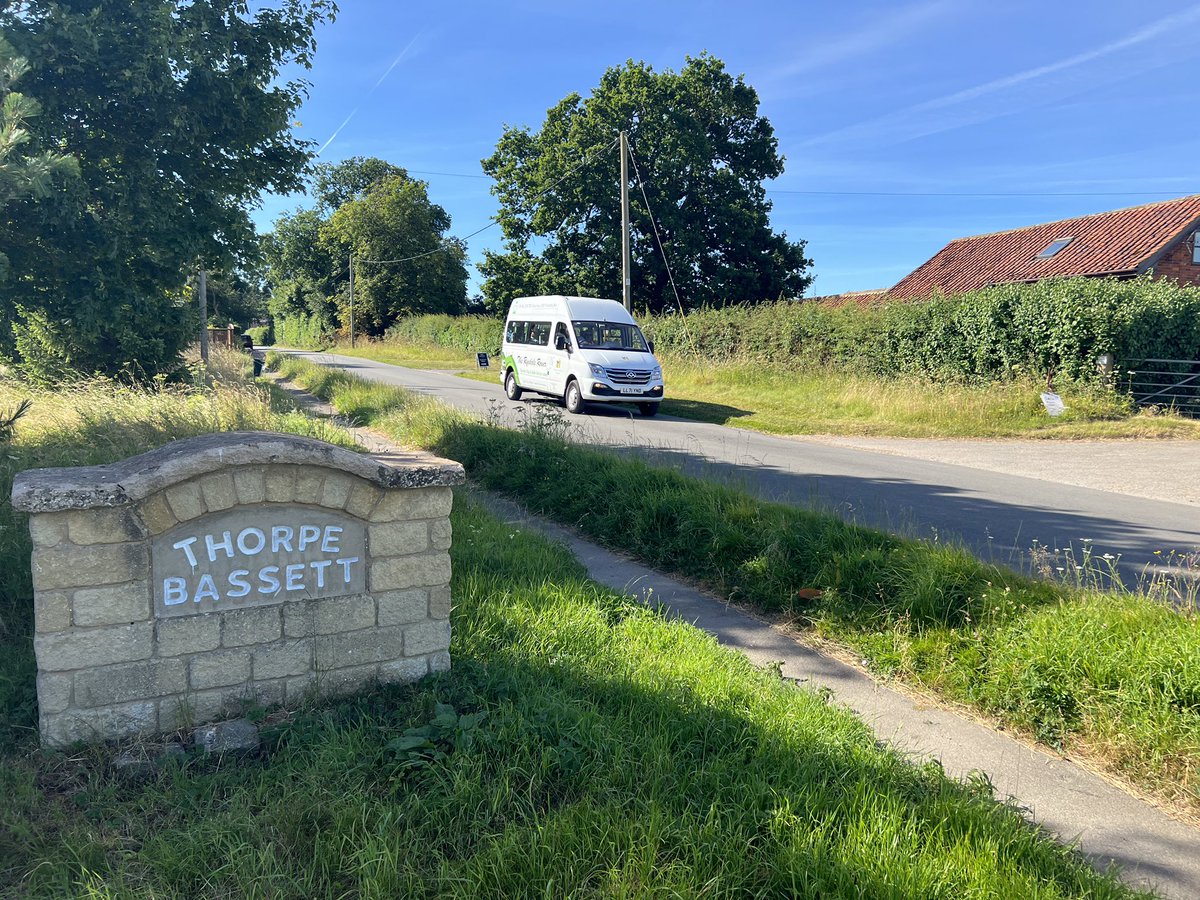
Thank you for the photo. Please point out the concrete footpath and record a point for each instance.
(1111, 826)
(1152, 849)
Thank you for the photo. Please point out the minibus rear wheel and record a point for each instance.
(511, 388)
(648, 409)
(573, 398)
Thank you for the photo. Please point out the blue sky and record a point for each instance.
(887, 113)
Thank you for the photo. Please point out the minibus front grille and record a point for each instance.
(629, 376)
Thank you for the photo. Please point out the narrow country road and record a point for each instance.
(998, 515)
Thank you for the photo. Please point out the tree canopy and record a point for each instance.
(405, 262)
(23, 174)
(703, 152)
(179, 121)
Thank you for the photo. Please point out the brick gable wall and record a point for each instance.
(1177, 264)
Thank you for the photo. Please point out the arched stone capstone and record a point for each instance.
(232, 569)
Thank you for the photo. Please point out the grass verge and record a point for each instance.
(581, 746)
(411, 355)
(824, 401)
(815, 400)
(1112, 676)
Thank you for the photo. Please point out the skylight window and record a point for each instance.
(1054, 248)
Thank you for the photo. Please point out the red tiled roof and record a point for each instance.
(857, 298)
(1114, 242)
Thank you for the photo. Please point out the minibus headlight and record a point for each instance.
(597, 371)
(656, 372)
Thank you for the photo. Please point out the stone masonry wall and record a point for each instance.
(118, 654)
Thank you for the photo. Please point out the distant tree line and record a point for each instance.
(703, 153)
(404, 261)
(135, 138)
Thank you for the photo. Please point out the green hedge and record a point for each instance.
(474, 334)
(988, 335)
(995, 334)
(305, 332)
(263, 336)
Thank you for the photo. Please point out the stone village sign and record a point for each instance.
(232, 568)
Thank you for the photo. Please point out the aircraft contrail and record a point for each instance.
(395, 62)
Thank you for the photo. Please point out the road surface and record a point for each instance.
(999, 515)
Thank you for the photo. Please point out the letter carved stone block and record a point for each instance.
(247, 567)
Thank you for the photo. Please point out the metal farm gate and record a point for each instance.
(1169, 383)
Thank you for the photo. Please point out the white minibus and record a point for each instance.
(581, 349)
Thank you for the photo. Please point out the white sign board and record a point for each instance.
(257, 557)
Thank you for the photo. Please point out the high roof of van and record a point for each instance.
(578, 308)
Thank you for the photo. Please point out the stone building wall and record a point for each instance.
(228, 570)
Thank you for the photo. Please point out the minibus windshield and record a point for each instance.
(609, 336)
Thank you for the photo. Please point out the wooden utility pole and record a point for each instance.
(202, 298)
(626, 284)
(352, 301)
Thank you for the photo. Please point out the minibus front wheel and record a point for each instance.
(573, 398)
(511, 389)
(648, 409)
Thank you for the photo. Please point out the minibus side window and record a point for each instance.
(560, 330)
(539, 333)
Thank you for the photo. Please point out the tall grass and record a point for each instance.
(581, 746)
(91, 423)
(1057, 663)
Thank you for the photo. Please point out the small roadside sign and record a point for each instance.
(1053, 403)
(482, 359)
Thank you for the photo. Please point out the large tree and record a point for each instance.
(703, 152)
(301, 272)
(336, 184)
(179, 121)
(405, 262)
(307, 274)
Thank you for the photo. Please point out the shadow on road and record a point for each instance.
(713, 413)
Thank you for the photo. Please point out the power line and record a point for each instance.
(980, 194)
(447, 174)
(815, 193)
(658, 239)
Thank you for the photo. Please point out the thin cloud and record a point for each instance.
(395, 62)
(882, 32)
(907, 123)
